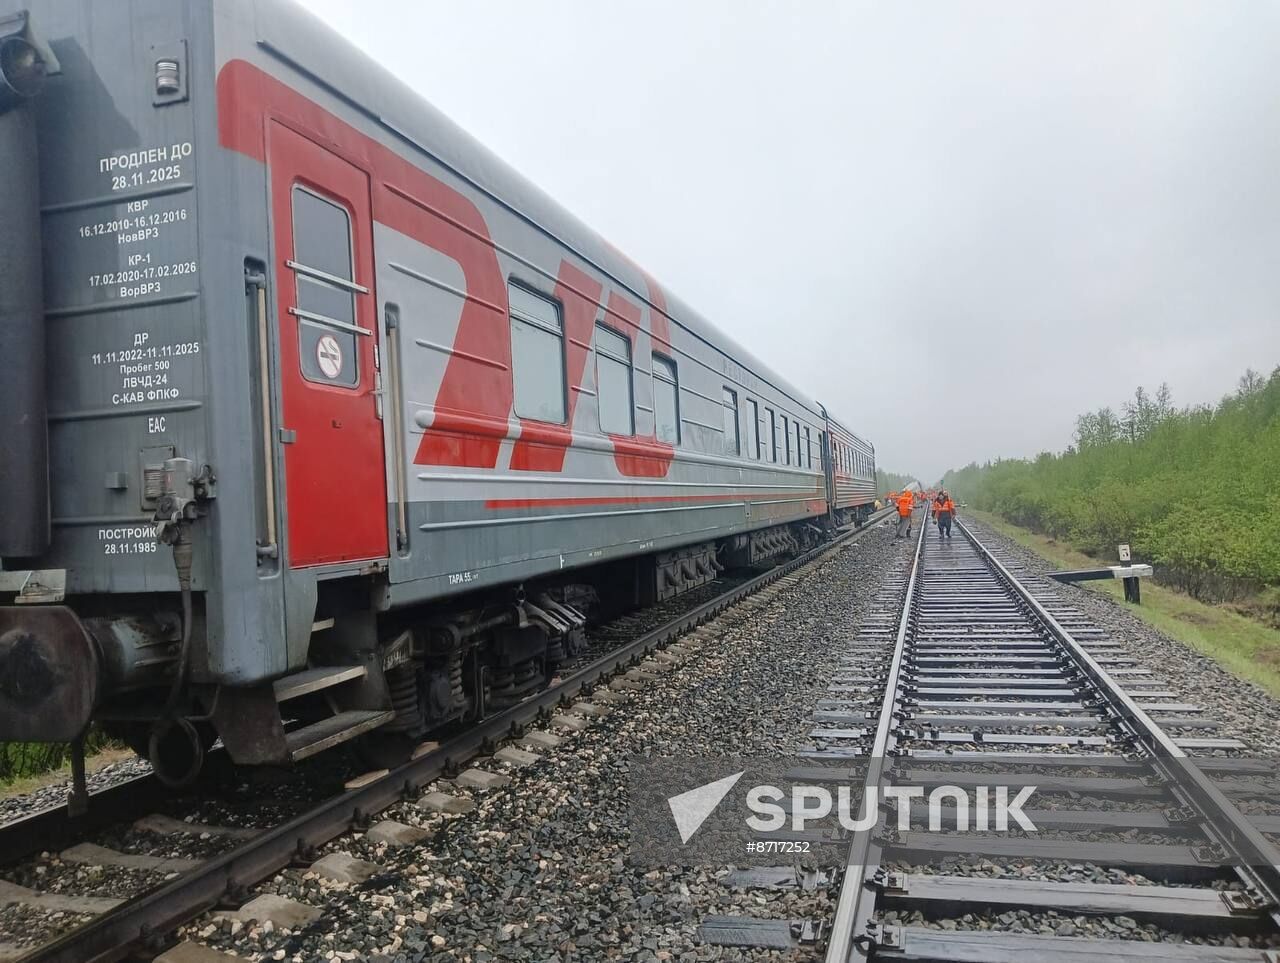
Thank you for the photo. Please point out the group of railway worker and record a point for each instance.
(942, 506)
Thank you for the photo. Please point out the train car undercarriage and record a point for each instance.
(383, 682)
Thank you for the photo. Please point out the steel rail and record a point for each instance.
(148, 918)
(1254, 856)
(856, 903)
(54, 828)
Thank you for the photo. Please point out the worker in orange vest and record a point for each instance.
(944, 510)
(906, 502)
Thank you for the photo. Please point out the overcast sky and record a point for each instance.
(958, 225)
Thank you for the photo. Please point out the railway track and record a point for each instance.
(143, 924)
(987, 680)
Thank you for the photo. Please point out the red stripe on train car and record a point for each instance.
(542, 447)
(637, 456)
(411, 201)
(418, 205)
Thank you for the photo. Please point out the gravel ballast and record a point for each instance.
(539, 869)
(1245, 710)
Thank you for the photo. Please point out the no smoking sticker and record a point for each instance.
(329, 356)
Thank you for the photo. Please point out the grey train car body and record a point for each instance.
(300, 323)
(852, 485)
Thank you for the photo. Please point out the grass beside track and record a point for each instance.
(1244, 647)
(97, 758)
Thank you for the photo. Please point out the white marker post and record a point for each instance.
(1131, 591)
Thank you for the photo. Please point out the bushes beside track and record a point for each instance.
(19, 759)
(1195, 491)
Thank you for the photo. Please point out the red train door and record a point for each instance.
(335, 475)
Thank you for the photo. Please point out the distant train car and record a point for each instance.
(851, 474)
(349, 428)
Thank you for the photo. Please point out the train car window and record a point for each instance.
(537, 355)
(753, 429)
(666, 400)
(808, 448)
(773, 434)
(613, 383)
(732, 439)
(799, 457)
(786, 440)
(324, 272)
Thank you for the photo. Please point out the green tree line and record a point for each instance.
(1195, 490)
(891, 481)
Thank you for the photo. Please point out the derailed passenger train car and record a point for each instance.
(852, 484)
(349, 428)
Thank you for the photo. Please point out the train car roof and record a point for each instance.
(297, 37)
(848, 431)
